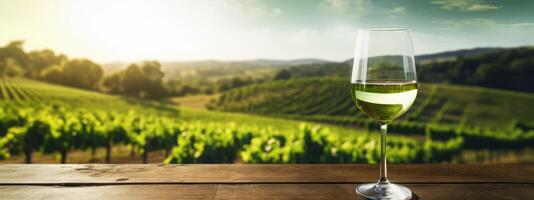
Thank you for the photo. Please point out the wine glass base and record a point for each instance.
(384, 191)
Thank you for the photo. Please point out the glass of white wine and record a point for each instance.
(384, 86)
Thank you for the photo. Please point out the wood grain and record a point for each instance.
(357, 173)
(427, 181)
(261, 191)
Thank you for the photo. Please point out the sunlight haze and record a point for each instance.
(238, 30)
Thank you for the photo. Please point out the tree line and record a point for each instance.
(143, 80)
(506, 69)
(510, 69)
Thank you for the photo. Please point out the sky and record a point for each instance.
(165, 30)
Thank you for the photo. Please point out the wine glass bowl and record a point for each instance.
(384, 86)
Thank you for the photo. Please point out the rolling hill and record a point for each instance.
(181, 69)
(452, 55)
(66, 121)
(215, 69)
(27, 91)
(439, 103)
(510, 68)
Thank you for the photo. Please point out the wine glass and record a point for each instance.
(384, 86)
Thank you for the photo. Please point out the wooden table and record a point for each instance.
(427, 181)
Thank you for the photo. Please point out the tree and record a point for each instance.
(133, 81)
(82, 73)
(14, 51)
(142, 81)
(152, 69)
(154, 87)
(10, 67)
(53, 74)
(42, 60)
(112, 83)
(283, 74)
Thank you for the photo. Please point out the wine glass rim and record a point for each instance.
(384, 29)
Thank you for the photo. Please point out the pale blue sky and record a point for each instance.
(247, 29)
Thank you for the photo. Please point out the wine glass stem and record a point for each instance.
(383, 163)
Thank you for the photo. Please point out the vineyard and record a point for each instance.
(49, 119)
(442, 112)
(435, 103)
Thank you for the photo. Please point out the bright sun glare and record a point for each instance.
(171, 30)
(133, 28)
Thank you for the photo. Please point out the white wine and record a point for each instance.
(384, 101)
(384, 86)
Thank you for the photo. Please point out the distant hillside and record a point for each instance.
(239, 64)
(32, 91)
(213, 69)
(448, 55)
(510, 68)
(504, 68)
(451, 55)
(331, 97)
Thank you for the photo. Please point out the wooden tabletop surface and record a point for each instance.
(216, 181)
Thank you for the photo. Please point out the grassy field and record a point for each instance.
(436, 103)
(193, 101)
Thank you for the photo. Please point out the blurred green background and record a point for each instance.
(258, 82)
